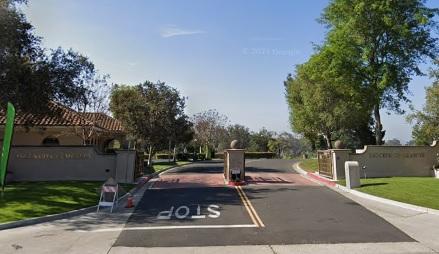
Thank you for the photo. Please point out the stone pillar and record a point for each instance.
(339, 156)
(352, 173)
(125, 164)
(234, 165)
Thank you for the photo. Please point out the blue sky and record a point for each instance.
(229, 55)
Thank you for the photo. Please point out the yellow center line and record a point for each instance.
(247, 207)
(250, 207)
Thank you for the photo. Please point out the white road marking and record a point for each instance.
(185, 214)
(213, 213)
(184, 211)
(168, 227)
(198, 216)
(165, 215)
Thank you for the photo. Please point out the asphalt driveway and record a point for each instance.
(191, 206)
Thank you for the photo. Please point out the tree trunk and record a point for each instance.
(328, 140)
(169, 151)
(207, 153)
(150, 156)
(378, 125)
(174, 156)
(313, 145)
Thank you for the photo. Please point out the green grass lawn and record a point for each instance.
(159, 166)
(25, 200)
(310, 165)
(421, 191)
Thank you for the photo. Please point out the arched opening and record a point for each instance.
(110, 145)
(50, 141)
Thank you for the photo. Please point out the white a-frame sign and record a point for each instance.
(109, 194)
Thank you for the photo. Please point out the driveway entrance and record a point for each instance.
(191, 206)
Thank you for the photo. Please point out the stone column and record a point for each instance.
(234, 161)
(352, 173)
(125, 164)
(339, 157)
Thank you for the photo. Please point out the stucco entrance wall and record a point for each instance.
(85, 163)
(387, 161)
(34, 136)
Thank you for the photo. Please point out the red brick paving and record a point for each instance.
(171, 181)
(277, 178)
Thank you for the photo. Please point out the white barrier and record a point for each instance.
(107, 188)
(352, 173)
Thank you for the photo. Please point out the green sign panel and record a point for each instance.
(9, 130)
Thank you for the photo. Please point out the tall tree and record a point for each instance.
(381, 43)
(359, 135)
(93, 102)
(240, 133)
(209, 128)
(259, 140)
(393, 142)
(426, 122)
(181, 133)
(30, 78)
(290, 145)
(285, 145)
(323, 100)
(149, 111)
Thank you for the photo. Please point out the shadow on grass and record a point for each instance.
(23, 200)
(372, 184)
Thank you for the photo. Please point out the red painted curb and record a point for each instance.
(231, 183)
(322, 180)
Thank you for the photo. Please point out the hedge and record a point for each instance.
(252, 155)
(162, 156)
(180, 156)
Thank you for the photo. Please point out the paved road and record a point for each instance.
(191, 206)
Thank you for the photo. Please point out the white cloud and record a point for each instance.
(171, 31)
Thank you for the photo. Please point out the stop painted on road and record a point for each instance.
(183, 212)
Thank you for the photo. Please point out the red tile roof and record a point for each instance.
(61, 115)
(104, 121)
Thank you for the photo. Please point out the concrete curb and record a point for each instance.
(155, 174)
(47, 218)
(388, 201)
(308, 175)
(298, 169)
(338, 188)
(85, 210)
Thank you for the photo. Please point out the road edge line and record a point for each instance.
(165, 228)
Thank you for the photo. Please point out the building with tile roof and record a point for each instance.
(64, 126)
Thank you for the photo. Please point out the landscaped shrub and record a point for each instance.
(252, 155)
(163, 156)
(260, 155)
(184, 156)
(219, 155)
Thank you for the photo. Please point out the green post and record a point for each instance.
(9, 130)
